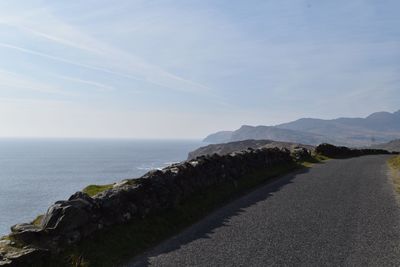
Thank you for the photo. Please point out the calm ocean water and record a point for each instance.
(37, 172)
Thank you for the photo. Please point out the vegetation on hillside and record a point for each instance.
(38, 220)
(393, 145)
(394, 164)
(92, 190)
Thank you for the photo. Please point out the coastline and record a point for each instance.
(37, 172)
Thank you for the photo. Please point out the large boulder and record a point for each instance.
(69, 221)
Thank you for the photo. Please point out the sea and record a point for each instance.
(34, 173)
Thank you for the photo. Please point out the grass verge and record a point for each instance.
(314, 159)
(92, 190)
(114, 246)
(394, 164)
(38, 220)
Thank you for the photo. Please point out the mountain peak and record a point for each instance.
(246, 127)
(380, 115)
(379, 127)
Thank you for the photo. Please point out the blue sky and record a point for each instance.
(183, 69)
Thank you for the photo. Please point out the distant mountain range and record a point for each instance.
(390, 146)
(379, 127)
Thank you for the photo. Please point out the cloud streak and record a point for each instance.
(101, 86)
(10, 80)
(120, 63)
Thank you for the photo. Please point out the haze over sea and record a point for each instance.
(34, 173)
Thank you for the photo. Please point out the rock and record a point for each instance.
(27, 256)
(24, 227)
(72, 218)
(301, 153)
(5, 262)
(123, 183)
(5, 242)
(52, 216)
(82, 196)
(26, 233)
(66, 216)
(73, 237)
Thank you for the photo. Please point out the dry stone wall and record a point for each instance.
(69, 221)
(345, 152)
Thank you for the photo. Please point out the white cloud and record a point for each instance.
(101, 86)
(109, 59)
(14, 81)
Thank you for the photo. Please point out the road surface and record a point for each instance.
(340, 213)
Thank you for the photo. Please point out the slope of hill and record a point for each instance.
(276, 134)
(219, 137)
(390, 146)
(267, 133)
(377, 128)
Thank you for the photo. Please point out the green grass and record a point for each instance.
(320, 158)
(394, 164)
(38, 220)
(92, 190)
(315, 159)
(115, 245)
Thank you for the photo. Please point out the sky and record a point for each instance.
(184, 69)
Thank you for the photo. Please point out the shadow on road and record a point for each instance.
(218, 218)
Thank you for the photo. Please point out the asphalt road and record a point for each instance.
(341, 213)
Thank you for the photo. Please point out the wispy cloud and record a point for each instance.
(64, 60)
(10, 80)
(121, 63)
(98, 85)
